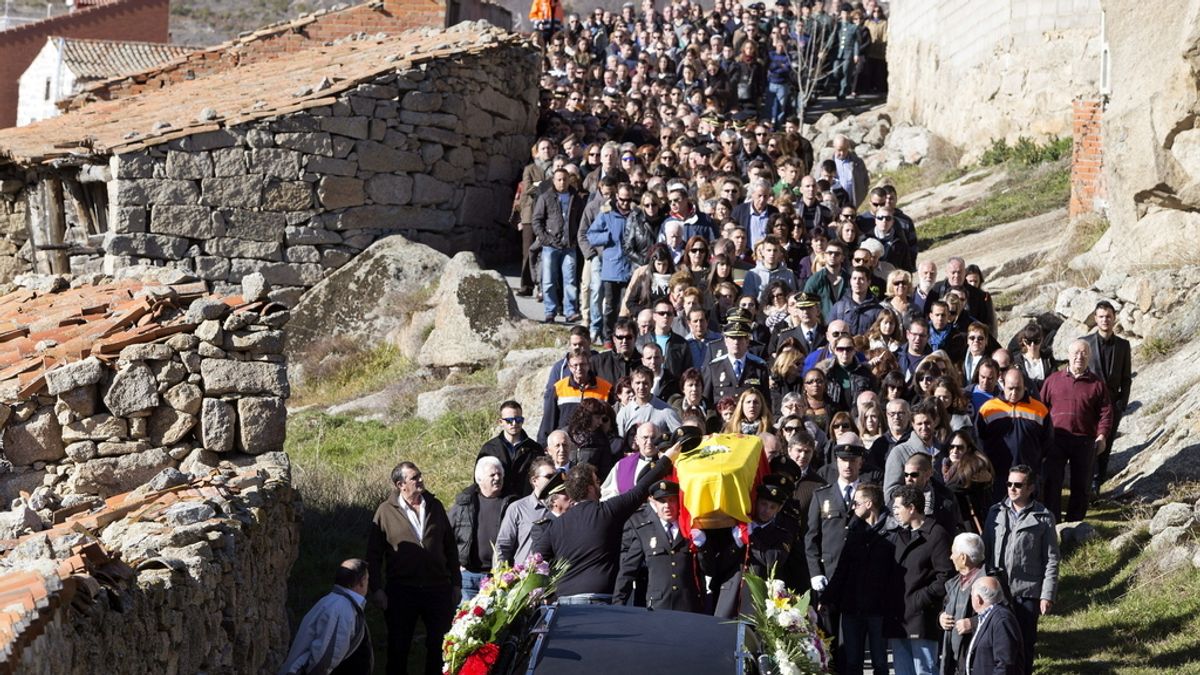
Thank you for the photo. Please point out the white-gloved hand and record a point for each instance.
(819, 583)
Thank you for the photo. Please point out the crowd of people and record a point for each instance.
(721, 280)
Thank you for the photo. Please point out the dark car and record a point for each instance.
(573, 639)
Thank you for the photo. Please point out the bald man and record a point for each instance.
(1082, 416)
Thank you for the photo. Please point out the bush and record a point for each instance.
(1025, 152)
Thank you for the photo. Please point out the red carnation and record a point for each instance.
(478, 611)
(481, 662)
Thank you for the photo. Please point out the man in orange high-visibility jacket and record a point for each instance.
(561, 400)
(546, 17)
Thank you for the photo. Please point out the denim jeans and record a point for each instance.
(558, 277)
(470, 583)
(596, 298)
(859, 631)
(914, 657)
(777, 102)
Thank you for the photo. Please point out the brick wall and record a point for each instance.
(1087, 158)
(391, 16)
(144, 20)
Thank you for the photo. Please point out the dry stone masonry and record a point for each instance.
(150, 520)
(425, 146)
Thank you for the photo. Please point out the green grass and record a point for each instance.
(1155, 348)
(346, 371)
(1029, 192)
(341, 468)
(1116, 614)
(911, 179)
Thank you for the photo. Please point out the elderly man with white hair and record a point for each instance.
(958, 619)
(475, 518)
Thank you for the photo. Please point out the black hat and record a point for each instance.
(664, 489)
(782, 480)
(737, 329)
(736, 313)
(772, 493)
(687, 436)
(555, 485)
(806, 299)
(847, 451)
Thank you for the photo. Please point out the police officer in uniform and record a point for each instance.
(758, 547)
(654, 542)
(553, 496)
(735, 370)
(829, 516)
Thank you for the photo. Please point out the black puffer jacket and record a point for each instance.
(464, 517)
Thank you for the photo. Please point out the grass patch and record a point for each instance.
(540, 336)
(339, 369)
(341, 467)
(1027, 193)
(1155, 347)
(1115, 614)
(911, 179)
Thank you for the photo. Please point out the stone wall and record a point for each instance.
(974, 71)
(214, 388)
(189, 579)
(432, 152)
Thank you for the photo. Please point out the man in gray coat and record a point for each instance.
(333, 637)
(1022, 547)
(513, 543)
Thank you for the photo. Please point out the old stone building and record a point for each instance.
(287, 167)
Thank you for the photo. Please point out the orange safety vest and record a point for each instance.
(546, 10)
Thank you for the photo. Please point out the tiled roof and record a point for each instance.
(95, 59)
(41, 331)
(30, 598)
(289, 83)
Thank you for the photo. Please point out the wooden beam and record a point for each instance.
(83, 214)
(56, 222)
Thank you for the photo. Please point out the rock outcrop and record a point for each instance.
(998, 70)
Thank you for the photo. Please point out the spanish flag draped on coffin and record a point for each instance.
(717, 480)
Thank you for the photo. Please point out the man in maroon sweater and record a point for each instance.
(1082, 415)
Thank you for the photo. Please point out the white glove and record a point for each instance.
(819, 583)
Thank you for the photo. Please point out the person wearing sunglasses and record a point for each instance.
(1033, 362)
(513, 448)
(1022, 547)
(927, 422)
(848, 376)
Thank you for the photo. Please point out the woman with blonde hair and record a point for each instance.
(898, 296)
(751, 415)
(787, 373)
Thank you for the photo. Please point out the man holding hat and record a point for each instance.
(829, 516)
(655, 545)
(736, 370)
(588, 535)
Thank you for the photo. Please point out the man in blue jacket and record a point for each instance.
(615, 268)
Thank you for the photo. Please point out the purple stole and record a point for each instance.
(627, 472)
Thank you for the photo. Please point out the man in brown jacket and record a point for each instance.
(413, 561)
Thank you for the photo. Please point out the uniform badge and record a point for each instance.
(722, 377)
(653, 542)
